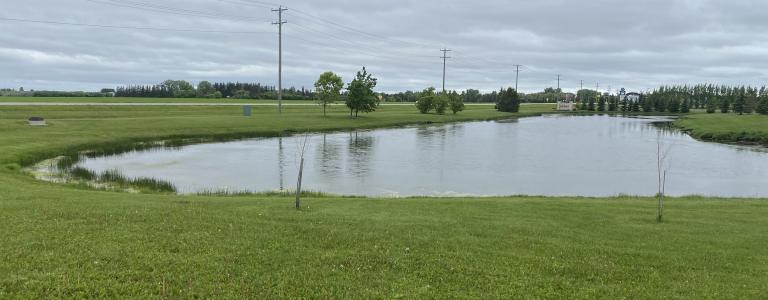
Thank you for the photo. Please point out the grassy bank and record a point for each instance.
(727, 128)
(60, 241)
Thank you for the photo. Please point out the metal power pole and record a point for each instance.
(279, 24)
(445, 57)
(558, 81)
(517, 75)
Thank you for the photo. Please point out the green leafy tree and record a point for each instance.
(328, 87)
(441, 103)
(241, 94)
(455, 102)
(360, 95)
(591, 104)
(179, 88)
(601, 104)
(205, 90)
(584, 105)
(509, 101)
(738, 106)
(425, 100)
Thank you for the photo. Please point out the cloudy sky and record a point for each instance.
(633, 44)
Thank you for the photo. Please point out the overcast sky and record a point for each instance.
(632, 44)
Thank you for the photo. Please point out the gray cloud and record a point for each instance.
(637, 44)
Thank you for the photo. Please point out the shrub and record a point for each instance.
(456, 102)
(509, 101)
(424, 102)
(440, 103)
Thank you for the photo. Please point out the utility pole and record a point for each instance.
(558, 81)
(581, 85)
(444, 57)
(517, 75)
(279, 24)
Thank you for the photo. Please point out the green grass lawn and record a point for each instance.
(731, 128)
(137, 100)
(65, 242)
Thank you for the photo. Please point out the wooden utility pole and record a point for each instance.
(445, 57)
(279, 24)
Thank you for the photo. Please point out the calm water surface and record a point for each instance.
(550, 155)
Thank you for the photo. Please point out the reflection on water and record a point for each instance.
(551, 155)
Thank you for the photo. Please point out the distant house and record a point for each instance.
(36, 121)
(108, 92)
(632, 97)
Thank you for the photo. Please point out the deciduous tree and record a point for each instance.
(328, 87)
(360, 96)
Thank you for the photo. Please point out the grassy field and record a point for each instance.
(61, 241)
(138, 100)
(728, 128)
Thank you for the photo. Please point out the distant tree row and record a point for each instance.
(682, 99)
(467, 96)
(714, 98)
(205, 89)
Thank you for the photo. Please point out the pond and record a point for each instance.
(555, 155)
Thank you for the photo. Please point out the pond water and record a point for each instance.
(549, 155)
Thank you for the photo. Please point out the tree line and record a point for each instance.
(682, 99)
(206, 89)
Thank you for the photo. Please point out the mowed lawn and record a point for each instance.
(63, 241)
(139, 100)
(751, 128)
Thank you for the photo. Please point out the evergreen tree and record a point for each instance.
(684, 107)
(725, 105)
(762, 106)
(613, 104)
(646, 104)
(738, 106)
(583, 105)
(601, 104)
(674, 105)
(591, 105)
(711, 106)
(634, 106)
(624, 105)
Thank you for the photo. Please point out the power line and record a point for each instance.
(130, 27)
(351, 29)
(146, 6)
